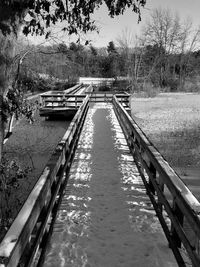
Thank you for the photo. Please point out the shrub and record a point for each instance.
(190, 86)
(103, 87)
(11, 174)
(120, 85)
(173, 84)
(149, 91)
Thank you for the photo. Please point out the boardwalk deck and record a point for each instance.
(105, 218)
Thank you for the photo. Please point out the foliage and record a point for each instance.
(120, 85)
(111, 48)
(103, 87)
(16, 104)
(67, 63)
(149, 91)
(11, 175)
(76, 14)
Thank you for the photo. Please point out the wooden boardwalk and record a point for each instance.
(105, 218)
(92, 204)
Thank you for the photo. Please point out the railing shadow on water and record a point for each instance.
(176, 207)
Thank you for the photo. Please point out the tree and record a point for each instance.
(189, 42)
(162, 31)
(111, 49)
(112, 62)
(132, 50)
(92, 66)
(41, 15)
(174, 40)
(126, 43)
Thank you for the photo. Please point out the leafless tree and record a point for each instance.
(165, 30)
(132, 49)
(189, 42)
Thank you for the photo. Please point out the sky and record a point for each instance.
(111, 29)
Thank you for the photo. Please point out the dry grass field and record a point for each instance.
(172, 123)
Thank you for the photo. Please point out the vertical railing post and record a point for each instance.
(179, 215)
(76, 101)
(141, 166)
(52, 101)
(160, 205)
(152, 170)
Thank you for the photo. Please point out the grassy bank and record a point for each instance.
(172, 122)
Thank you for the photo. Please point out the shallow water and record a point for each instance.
(31, 145)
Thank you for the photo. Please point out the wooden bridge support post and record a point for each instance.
(179, 215)
(139, 151)
(160, 204)
(152, 170)
(76, 101)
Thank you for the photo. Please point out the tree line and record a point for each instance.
(166, 55)
(72, 61)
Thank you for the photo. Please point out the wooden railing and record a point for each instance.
(29, 230)
(108, 97)
(70, 90)
(171, 198)
(55, 100)
(89, 89)
(96, 81)
(69, 97)
(74, 89)
(60, 99)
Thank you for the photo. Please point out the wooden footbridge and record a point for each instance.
(98, 198)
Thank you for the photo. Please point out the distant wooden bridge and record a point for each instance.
(39, 223)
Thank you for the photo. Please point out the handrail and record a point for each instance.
(73, 89)
(56, 98)
(60, 96)
(54, 101)
(166, 190)
(28, 231)
(70, 90)
(108, 96)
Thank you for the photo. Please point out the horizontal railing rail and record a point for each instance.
(63, 98)
(70, 90)
(27, 234)
(55, 101)
(89, 89)
(108, 97)
(74, 89)
(57, 96)
(101, 97)
(176, 207)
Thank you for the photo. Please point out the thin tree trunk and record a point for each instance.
(1, 126)
(6, 55)
(10, 21)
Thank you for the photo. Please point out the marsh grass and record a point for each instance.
(172, 123)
